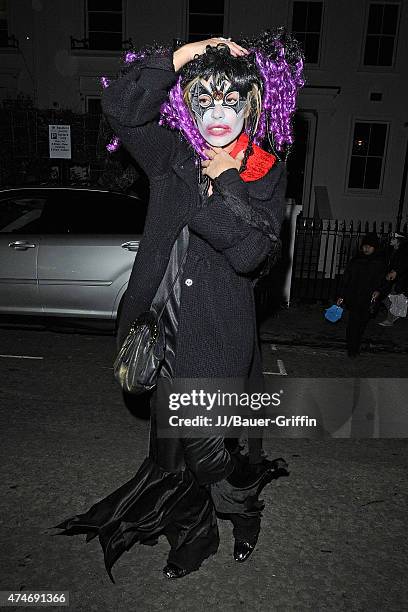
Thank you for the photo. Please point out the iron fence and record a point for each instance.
(24, 147)
(323, 248)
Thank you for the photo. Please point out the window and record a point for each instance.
(307, 26)
(71, 211)
(93, 212)
(367, 155)
(379, 49)
(3, 24)
(205, 19)
(93, 105)
(20, 214)
(104, 24)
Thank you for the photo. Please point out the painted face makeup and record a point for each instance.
(219, 110)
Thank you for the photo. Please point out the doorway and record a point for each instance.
(300, 160)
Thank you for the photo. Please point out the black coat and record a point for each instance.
(217, 330)
(363, 275)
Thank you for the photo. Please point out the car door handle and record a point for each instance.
(132, 245)
(21, 245)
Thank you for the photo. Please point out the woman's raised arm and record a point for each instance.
(132, 107)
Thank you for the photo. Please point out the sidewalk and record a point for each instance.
(305, 325)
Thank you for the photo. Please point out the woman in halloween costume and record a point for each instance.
(194, 120)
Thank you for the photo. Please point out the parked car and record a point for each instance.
(67, 252)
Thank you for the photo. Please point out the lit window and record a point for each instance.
(104, 21)
(379, 49)
(205, 19)
(307, 28)
(367, 155)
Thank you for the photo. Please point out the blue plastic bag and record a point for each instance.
(334, 313)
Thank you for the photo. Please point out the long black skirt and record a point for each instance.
(171, 502)
(152, 503)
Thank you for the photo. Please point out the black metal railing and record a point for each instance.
(323, 248)
(9, 42)
(24, 145)
(84, 43)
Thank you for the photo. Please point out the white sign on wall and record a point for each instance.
(60, 141)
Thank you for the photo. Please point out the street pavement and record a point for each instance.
(305, 325)
(334, 531)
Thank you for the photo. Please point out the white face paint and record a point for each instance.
(219, 110)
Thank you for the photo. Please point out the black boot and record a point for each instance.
(243, 550)
(173, 571)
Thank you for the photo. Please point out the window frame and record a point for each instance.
(89, 97)
(224, 14)
(7, 12)
(373, 67)
(361, 191)
(15, 198)
(322, 38)
(12, 45)
(86, 29)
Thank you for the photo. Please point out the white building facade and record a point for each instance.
(353, 112)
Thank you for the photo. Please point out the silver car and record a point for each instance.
(67, 252)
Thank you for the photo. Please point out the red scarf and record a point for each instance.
(258, 164)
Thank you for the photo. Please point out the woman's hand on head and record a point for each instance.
(187, 52)
(219, 161)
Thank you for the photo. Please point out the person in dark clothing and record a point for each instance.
(218, 197)
(397, 273)
(361, 289)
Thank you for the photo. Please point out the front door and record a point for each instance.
(297, 180)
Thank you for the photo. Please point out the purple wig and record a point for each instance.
(281, 84)
(176, 115)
